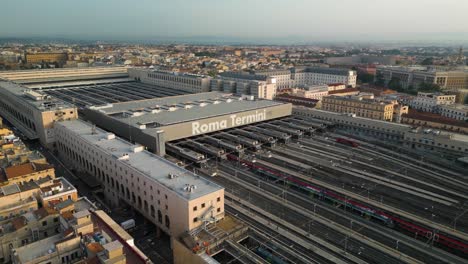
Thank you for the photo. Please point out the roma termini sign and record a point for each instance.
(230, 121)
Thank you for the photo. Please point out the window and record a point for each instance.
(218, 210)
(44, 223)
(195, 208)
(203, 205)
(195, 219)
(218, 199)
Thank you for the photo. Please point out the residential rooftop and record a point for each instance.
(25, 169)
(154, 167)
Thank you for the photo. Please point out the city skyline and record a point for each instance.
(262, 21)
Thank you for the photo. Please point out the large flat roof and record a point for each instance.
(45, 75)
(49, 104)
(200, 106)
(154, 167)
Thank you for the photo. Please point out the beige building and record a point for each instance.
(179, 81)
(336, 86)
(24, 173)
(359, 106)
(50, 57)
(65, 229)
(37, 78)
(33, 112)
(174, 199)
(82, 235)
(447, 79)
(245, 84)
(316, 92)
(27, 221)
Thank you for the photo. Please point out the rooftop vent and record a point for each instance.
(110, 136)
(137, 148)
(124, 156)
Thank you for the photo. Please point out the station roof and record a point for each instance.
(154, 167)
(46, 104)
(64, 74)
(180, 109)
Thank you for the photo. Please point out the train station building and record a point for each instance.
(154, 122)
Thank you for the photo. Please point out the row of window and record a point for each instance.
(19, 116)
(113, 184)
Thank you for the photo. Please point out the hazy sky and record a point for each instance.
(249, 19)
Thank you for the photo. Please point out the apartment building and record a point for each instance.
(50, 57)
(316, 92)
(29, 211)
(80, 234)
(431, 102)
(310, 76)
(455, 111)
(23, 173)
(447, 79)
(193, 83)
(174, 199)
(245, 84)
(359, 106)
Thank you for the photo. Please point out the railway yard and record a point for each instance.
(310, 195)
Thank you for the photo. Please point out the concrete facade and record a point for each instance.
(171, 197)
(455, 111)
(415, 138)
(179, 81)
(415, 75)
(369, 108)
(29, 77)
(431, 102)
(310, 76)
(33, 113)
(156, 121)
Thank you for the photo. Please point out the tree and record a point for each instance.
(428, 87)
(395, 84)
(379, 79)
(428, 61)
(365, 77)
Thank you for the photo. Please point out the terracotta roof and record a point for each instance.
(41, 213)
(95, 247)
(19, 222)
(67, 215)
(436, 118)
(347, 90)
(25, 169)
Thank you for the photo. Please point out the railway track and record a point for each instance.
(406, 245)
